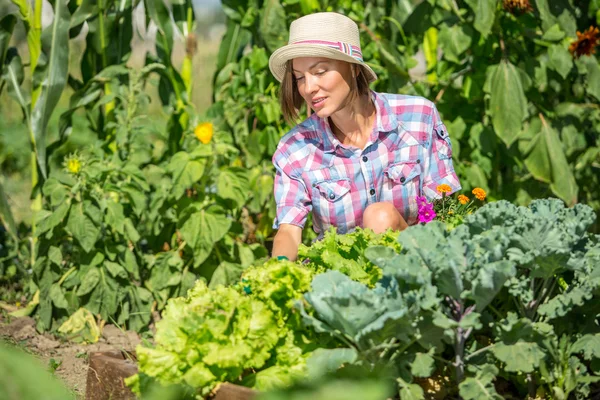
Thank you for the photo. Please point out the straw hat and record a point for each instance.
(330, 35)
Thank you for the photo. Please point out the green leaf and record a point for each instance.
(106, 296)
(55, 255)
(6, 216)
(412, 391)
(185, 172)
(131, 264)
(226, 274)
(479, 388)
(309, 6)
(13, 74)
(7, 24)
(430, 47)
(89, 282)
(202, 230)
(53, 219)
(18, 370)
(82, 228)
(114, 216)
(273, 25)
(130, 232)
(520, 356)
(508, 112)
(58, 298)
(593, 76)
(589, 345)
(557, 11)
(323, 361)
(54, 79)
(116, 270)
(423, 365)
(454, 40)
(234, 41)
(490, 279)
(233, 184)
(546, 160)
(553, 34)
(560, 60)
(56, 191)
(485, 13)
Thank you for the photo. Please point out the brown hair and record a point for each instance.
(291, 101)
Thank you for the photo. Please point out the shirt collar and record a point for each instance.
(386, 121)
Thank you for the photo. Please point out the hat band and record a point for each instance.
(346, 48)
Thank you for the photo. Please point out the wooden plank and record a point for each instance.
(106, 374)
(228, 391)
(107, 371)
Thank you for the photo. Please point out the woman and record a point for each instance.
(362, 158)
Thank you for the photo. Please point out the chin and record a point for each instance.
(323, 113)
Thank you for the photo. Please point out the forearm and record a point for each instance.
(286, 243)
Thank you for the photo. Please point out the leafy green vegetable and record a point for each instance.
(346, 253)
(247, 333)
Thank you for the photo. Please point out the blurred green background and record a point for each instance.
(14, 141)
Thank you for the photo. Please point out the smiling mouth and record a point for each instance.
(318, 102)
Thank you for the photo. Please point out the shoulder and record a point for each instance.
(409, 107)
(300, 141)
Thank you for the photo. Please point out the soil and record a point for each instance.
(71, 358)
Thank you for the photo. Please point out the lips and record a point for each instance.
(318, 102)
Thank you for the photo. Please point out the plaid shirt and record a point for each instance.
(407, 155)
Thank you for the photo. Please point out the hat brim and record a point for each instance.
(281, 56)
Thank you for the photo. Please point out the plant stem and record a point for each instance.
(484, 349)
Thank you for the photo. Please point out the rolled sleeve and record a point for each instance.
(291, 196)
(439, 168)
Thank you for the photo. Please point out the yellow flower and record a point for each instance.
(204, 132)
(443, 188)
(450, 212)
(463, 199)
(479, 193)
(74, 166)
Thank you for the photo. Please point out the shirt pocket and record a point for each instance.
(334, 189)
(331, 200)
(443, 145)
(401, 186)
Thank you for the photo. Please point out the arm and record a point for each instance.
(287, 240)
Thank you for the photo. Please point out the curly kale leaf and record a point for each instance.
(355, 313)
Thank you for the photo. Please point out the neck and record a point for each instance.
(352, 125)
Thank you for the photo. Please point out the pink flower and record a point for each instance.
(421, 201)
(426, 214)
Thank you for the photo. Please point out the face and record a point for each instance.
(323, 83)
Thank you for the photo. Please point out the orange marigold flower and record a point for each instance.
(585, 43)
(463, 199)
(517, 6)
(204, 132)
(479, 193)
(443, 188)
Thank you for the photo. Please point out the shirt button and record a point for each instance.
(331, 196)
(372, 192)
(365, 159)
(402, 180)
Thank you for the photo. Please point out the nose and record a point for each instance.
(310, 86)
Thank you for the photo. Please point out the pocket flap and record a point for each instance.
(403, 172)
(333, 189)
